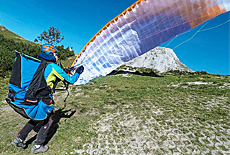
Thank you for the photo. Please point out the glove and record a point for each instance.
(79, 70)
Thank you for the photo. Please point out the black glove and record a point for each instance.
(79, 70)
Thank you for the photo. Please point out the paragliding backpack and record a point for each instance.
(27, 85)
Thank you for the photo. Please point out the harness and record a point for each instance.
(27, 85)
(29, 95)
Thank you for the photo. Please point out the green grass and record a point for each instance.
(127, 111)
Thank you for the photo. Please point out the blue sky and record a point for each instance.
(80, 20)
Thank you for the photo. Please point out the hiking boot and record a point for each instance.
(19, 143)
(39, 149)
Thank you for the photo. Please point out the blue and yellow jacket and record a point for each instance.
(54, 72)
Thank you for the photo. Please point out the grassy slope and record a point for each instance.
(11, 35)
(115, 113)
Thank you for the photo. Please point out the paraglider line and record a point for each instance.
(215, 26)
(196, 33)
(171, 40)
(192, 36)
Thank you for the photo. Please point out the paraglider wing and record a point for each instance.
(141, 27)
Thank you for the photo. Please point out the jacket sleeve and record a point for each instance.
(61, 74)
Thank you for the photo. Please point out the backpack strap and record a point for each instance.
(38, 88)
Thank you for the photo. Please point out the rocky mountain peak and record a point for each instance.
(159, 58)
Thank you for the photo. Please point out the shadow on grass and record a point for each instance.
(152, 74)
(57, 115)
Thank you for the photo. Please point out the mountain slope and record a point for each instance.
(11, 35)
(159, 58)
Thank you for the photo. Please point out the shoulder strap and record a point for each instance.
(38, 88)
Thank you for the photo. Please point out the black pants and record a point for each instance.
(42, 134)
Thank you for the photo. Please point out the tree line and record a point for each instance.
(7, 54)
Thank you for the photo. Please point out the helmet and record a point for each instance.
(48, 52)
(49, 48)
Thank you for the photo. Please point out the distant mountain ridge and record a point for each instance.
(159, 58)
